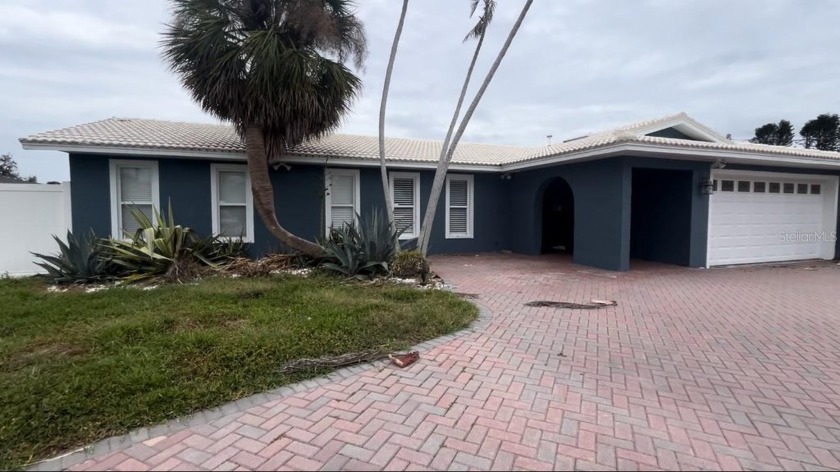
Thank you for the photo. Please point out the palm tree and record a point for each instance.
(275, 69)
(386, 186)
(479, 31)
(448, 149)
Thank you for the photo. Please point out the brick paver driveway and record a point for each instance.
(694, 369)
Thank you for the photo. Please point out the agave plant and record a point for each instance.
(344, 254)
(220, 250)
(161, 248)
(361, 248)
(79, 260)
(378, 237)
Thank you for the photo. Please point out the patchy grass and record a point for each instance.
(77, 367)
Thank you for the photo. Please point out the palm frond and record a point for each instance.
(483, 21)
(273, 64)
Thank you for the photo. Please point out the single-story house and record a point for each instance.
(670, 190)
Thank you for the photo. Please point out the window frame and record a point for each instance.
(470, 206)
(415, 177)
(115, 165)
(328, 174)
(216, 205)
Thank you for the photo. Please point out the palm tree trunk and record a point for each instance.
(386, 186)
(443, 165)
(425, 228)
(264, 193)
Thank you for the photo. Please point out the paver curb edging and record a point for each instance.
(120, 443)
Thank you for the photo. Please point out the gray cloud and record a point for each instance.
(577, 66)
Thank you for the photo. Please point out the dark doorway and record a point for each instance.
(558, 218)
(660, 228)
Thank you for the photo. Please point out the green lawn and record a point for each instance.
(77, 367)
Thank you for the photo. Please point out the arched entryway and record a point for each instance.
(558, 218)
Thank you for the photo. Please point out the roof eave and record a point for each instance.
(599, 152)
(666, 151)
(240, 156)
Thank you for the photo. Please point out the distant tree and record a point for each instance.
(822, 133)
(9, 168)
(775, 134)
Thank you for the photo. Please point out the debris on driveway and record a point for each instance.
(404, 360)
(594, 304)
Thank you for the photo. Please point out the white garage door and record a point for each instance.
(768, 217)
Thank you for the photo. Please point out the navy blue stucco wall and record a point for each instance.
(602, 211)
(491, 216)
(698, 208)
(660, 222)
(181, 181)
(90, 194)
(299, 206)
(603, 208)
(299, 200)
(507, 213)
(491, 212)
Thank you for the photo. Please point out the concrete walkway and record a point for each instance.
(694, 369)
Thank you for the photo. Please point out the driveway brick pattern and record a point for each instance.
(693, 369)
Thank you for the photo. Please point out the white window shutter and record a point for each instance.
(458, 220)
(233, 187)
(233, 206)
(129, 222)
(458, 193)
(342, 197)
(136, 184)
(403, 191)
(404, 195)
(404, 219)
(459, 207)
(341, 216)
(343, 190)
(233, 221)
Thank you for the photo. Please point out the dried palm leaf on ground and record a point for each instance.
(342, 360)
(262, 267)
(595, 304)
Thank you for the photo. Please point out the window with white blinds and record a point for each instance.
(342, 197)
(459, 206)
(134, 184)
(232, 202)
(405, 195)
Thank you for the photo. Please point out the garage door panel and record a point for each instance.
(748, 227)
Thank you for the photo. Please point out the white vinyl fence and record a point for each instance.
(29, 215)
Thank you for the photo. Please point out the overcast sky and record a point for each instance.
(576, 66)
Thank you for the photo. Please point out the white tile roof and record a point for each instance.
(637, 133)
(163, 135)
(146, 135)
